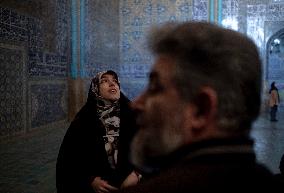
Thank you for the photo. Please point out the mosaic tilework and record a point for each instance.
(14, 27)
(275, 68)
(132, 86)
(230, 14)
(48, 102)
(275, 57)
(12, 92)
(255, 23)
(46, 44)
(101, 36)
(200, 10)
(137, 17)
(47, 64)
(275, 12)
(62, 28)
(18, 28)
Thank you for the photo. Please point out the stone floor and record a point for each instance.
(269, 141)
(27, 163)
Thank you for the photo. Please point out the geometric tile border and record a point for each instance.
(12, 90)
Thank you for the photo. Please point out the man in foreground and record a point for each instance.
(196, 114)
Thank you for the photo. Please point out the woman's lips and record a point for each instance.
(113, 91)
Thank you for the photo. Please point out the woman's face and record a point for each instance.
(108, 87)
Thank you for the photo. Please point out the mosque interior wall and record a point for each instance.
(41, 79)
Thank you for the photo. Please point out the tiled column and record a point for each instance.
(215, 11)
(77, 92)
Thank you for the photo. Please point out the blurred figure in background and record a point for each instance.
(274, 101)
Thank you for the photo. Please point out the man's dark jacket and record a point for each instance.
(218, 165)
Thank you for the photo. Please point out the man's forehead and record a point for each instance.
(162, 68)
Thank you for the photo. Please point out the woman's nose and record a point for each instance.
(112, 82)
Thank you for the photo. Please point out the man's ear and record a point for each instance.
(203, 108)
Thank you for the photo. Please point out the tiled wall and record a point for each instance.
(12, 90)
(136, 18)
(35, 46)
(34, 64)
(259, 19)
(101, 36)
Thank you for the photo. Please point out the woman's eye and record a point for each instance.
(103, 80)
(108, 80)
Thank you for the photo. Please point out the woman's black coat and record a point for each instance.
(82, 155)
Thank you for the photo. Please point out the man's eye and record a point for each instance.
(155, 88)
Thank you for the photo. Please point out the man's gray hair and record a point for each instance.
(208, 55)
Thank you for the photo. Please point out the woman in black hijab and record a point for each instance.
(93, 156)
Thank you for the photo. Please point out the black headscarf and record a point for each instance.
(109, 115)
(273, 87)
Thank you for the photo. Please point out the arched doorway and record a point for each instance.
(275, 64)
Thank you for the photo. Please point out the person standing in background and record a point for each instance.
(274, 101)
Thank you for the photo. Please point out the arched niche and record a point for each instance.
(275, 63)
